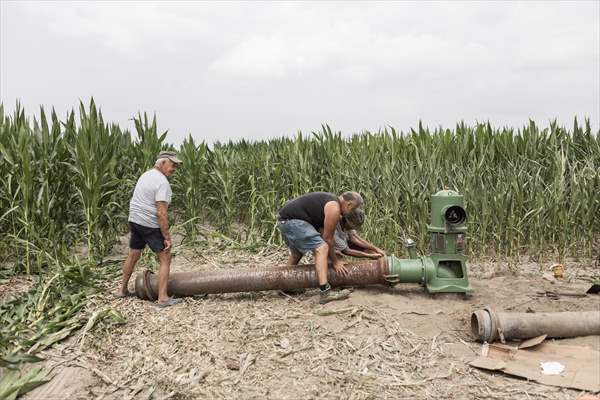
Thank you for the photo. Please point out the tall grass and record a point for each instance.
(193, 183)
(34, 194)
(94, 162)
(529, 190)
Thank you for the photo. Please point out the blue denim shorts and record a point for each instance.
(300, 236)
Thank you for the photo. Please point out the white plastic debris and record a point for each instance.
(552, 368)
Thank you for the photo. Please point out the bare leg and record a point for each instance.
(128, 266)
(294, 258)
(164, 259)
(339, 255)
(321, 253)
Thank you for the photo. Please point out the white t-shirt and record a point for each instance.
(152, 186)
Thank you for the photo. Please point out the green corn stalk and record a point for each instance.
(19, 164)
(190, 182)
(529, 190)
(149, 143)
(15, 383)
(222, 185)
(96, 181)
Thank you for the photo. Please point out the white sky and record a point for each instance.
(260, 69)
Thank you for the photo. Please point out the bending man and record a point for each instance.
(300, 220)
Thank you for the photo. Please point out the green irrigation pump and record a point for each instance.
(445, 269)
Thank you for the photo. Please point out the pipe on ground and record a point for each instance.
(250, 280)
(488, 325)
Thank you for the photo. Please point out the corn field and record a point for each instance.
(66, 184)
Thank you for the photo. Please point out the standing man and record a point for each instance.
(300, 220)
(149, 223)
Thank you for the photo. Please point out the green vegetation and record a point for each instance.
(55, 308)
(66, 187)
(67, 184)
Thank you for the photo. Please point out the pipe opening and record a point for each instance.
(474, 325)
(481, 325)
(449, 269)
(455, 215)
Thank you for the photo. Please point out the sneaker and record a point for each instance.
(329, 295)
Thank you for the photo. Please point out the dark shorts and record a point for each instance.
(300, 236)
(140, 236)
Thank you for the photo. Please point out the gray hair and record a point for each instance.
(355, 218)
(354, 198)
(160, 161)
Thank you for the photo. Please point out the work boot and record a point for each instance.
(329, 295)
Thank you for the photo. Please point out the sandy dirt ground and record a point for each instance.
(380, 343)
(15, 285)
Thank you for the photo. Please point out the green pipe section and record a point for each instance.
(407, 270)
(413, 270)
(437, 274)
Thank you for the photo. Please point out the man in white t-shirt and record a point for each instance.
(149, 224)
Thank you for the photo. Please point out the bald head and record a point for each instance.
(350, 201)
(353, 197)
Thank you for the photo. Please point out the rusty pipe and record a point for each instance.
(183, 284)
(488, 325)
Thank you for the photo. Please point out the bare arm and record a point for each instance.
(354, 238)
(332, 218)
(163, 222)
(360, 254)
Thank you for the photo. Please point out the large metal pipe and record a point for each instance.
(488, 325)
(279, 278)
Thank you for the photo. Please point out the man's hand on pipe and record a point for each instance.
(339, 268)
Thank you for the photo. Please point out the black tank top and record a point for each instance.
(309, 207)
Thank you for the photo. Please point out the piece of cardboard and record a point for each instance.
(532, 342)
(488, 363)
(582, 365)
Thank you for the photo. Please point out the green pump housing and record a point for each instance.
(445, 269)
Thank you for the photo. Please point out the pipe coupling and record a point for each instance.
(485, 326)
(143, 288)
